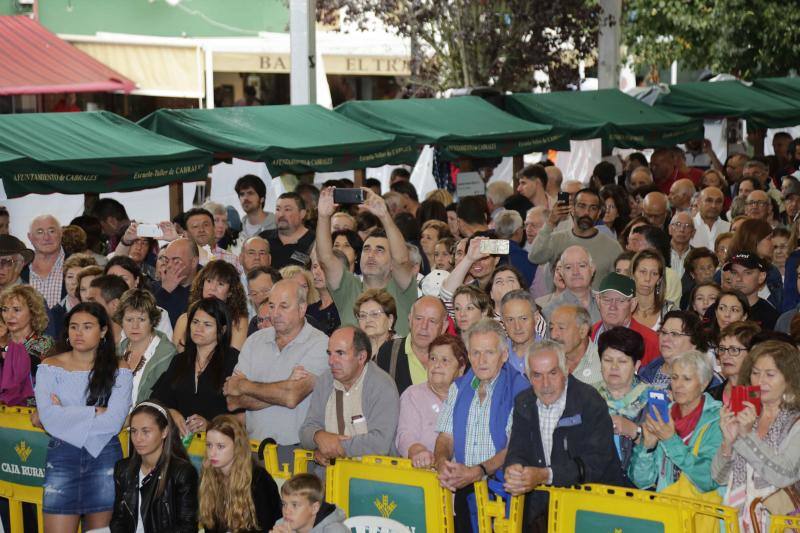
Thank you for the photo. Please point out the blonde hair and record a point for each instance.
(441, 195)
(35, 302)
(290, 271)
(227, 502)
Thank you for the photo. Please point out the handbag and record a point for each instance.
(782, 502)
(686, 489)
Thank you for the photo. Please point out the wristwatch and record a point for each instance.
(638, 434)
(483, 469)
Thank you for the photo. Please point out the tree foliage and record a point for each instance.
(463, 43)
(748, 38)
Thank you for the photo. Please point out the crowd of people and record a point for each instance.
(526, 336)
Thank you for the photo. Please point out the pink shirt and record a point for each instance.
(419, 412)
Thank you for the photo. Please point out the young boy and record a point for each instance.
(304, 511)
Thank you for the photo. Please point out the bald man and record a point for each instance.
(406, 359)
(758, 205)
(172, 292)
(707, 221)
(655, 209)
(681, 231)
(680, 194)
(46, 271)
(664, 169)
(277, 370)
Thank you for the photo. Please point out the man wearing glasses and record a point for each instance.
(13, 258)
(616, 301)
(585, 210)
(758, 206)
(681, 232)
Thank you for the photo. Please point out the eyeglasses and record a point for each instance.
(672, 334)
(374, 315)
(756, 203)
(7, 262)
(733, 350)
(681, 225)
(616, 301)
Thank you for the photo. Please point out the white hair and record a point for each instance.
(506, 223)
(547, 346)
(698, 361)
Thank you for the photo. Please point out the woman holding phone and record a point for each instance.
(760, 452)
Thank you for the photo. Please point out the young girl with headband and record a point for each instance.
(156, 487)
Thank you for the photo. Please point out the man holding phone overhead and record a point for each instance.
(384, 261)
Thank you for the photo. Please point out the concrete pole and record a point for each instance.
(303, 43)
(608, 45)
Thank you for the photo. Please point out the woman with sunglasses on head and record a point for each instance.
(83, 396)
(156, 487)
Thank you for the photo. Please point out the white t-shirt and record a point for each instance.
(140, 522)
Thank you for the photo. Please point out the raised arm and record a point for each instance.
(401, 266)
(460, 271)
(330, 264)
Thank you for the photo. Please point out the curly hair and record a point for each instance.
(88, 271)
(226, 502)
(73, 239)
(35, 302)
(787, 360)
(138, 300)
(79, 260)
(226, 273)
(455, 344)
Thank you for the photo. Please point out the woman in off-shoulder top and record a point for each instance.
(83, 396)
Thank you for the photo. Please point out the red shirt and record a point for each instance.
(651, 347)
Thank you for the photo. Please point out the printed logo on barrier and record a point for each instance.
(384, 506)
(23, 450)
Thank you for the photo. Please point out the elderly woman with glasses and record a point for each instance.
(680, 332)
(376, 312)
(686, 441)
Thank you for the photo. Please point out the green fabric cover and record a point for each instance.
(787, 87)
(464, 126)
(299, 138)
(90, 153)
(621, 121)
(730, 99)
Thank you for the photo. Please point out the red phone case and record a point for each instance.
(741, 394)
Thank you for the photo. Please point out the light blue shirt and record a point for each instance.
(73, 421)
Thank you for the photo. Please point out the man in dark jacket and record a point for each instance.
(561, 435)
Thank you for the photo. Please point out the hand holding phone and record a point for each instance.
(495, 246)
(149, 230)
(657, 401)
(744, 393)
(348, 196)
(563, 198)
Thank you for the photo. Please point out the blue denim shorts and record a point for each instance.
(75, 482)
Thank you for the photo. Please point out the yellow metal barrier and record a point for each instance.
(779, 524)
(301, 460)
(392, 488)
(604, 509)
(23, 450)
(492, 512)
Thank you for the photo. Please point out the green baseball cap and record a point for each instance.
(618, 283)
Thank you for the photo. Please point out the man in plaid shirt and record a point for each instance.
(46, 272)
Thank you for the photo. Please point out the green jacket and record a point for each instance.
(645, 469)
(154, 367)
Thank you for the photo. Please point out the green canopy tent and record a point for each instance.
(466, 126)
(731, 99)
(298, 138)
(620, 120)
(75, 153)
(786, 87)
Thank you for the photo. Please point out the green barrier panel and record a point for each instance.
(391, 488)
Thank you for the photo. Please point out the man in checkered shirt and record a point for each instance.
(561, 435)
(476, 419)
(46, 271)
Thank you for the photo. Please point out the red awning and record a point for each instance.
(35, 61)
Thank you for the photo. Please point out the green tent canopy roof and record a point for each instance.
(288, 138)
(90, 153)
(465, 126)
(787, 87)
(730, 99)
(620, 120)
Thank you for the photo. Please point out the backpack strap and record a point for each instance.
(395, 353)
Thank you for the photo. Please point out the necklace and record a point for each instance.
(142, 360)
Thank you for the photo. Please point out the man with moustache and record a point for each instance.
(291, 243)
(586, 211)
